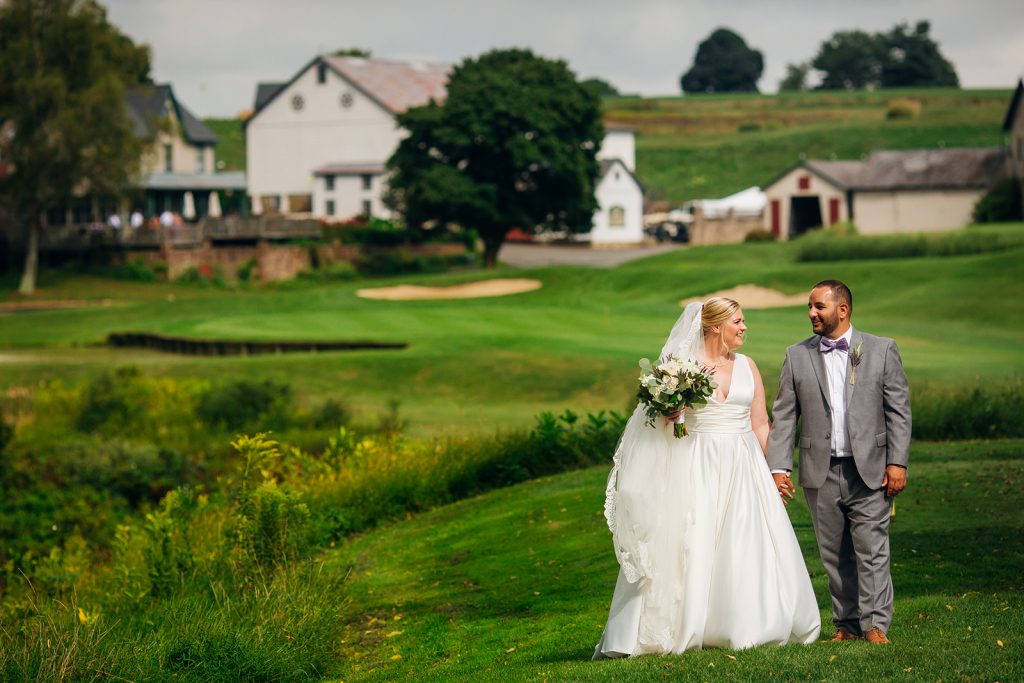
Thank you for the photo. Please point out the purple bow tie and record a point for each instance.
(830, 345)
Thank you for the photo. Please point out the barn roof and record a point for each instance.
(146, 106)
(916, 169)
(1011, 113)
(395, 85)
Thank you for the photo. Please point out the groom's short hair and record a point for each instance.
(839, 290)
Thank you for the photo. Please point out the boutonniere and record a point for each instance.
(856, 355)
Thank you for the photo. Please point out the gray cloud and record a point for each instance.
(215, 51)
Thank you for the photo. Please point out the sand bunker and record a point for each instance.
(470, 290)
(755, 296)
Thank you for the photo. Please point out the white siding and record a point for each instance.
(621, 145)
(285, 145)
(881, 212)
(618, 190)
(349, 195)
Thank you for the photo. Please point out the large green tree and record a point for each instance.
(897, 58)
(63, 69)
(724, 63)
(512, 146)
(913, 59)
(850, 60)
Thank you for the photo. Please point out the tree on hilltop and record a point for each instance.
(898, 58)
(63, 69)
(913, 59)
(600, 87)
(723, 63)
(513, 145)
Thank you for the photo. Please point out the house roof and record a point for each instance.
(916, 169)
(1011, 113)
(265, 92)
(146, 106)
(228, 180)
(606, 166)
(368, 168)
(395, 85)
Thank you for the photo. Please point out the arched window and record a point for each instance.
(617, 217)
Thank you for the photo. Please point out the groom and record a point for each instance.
(851, 393)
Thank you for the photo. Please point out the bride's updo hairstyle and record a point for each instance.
(716, 311)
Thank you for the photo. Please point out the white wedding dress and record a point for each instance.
(707, 552)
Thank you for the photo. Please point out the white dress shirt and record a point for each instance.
(835, 368)
(835, 372)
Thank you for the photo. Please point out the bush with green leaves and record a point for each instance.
(1000, 204)
(246, 403)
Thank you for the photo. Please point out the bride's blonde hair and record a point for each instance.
(716, 311)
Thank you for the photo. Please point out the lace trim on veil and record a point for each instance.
(684, 341)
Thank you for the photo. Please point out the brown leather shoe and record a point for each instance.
(876, 637)
(842, 635)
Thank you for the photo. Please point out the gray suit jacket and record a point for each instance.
(877, 411)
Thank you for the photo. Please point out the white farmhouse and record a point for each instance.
(618, 220)
(318, 143)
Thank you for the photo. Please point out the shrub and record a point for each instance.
(136, 270)
(331, 413)
(749, 127)
(246, 404)
(249, 270)
(1001, 203)
(959, 412)
(203, 275)
(903, 108)
(819, 246)
(759, 236)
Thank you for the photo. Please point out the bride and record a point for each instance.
(707, 554)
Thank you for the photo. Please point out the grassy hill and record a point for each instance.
(515, 585)
(712, 145)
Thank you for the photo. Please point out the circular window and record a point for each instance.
(298, 103)
(347, 100)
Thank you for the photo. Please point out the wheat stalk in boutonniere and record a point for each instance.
(856, 355)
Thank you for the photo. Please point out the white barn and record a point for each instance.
(619, 219)
(890, 191)
(318, 143)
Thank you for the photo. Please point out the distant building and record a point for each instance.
(1014, 125)
(179, 171)
(318, 143)
(890, 191)
(619, 218)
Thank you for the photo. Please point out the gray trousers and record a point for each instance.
(851, 523)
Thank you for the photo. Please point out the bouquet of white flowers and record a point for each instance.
(671, 386)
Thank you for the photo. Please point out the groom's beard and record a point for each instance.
(826, 326)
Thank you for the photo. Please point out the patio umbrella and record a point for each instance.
(188, 212)
(214, 210)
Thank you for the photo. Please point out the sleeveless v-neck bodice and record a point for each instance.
(733, 414)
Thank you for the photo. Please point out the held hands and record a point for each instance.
(785, 486)
(894, 480)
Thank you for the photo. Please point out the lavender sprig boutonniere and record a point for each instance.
(856, 355)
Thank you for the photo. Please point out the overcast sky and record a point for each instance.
(214, 52)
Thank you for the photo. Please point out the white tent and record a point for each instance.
(748, 202)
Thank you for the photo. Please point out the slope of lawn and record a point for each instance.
(515, 585)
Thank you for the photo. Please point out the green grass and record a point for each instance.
(231, 142)
(515, 585)
(712, 145)
(485, 363)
